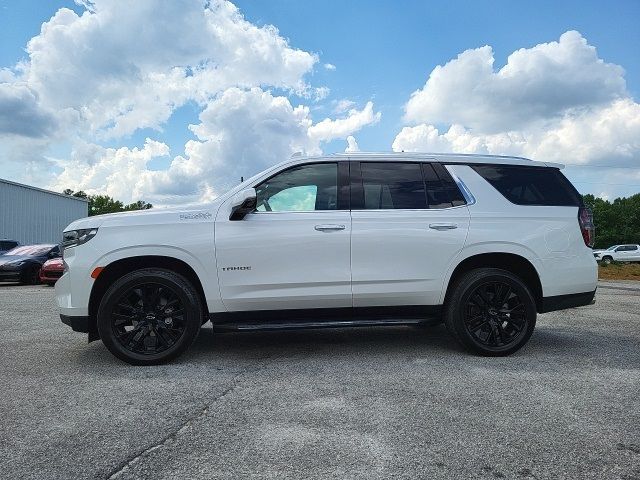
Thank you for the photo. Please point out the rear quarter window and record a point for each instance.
(525, 185)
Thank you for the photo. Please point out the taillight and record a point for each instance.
(585, 219)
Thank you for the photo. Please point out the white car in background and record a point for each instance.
(618, 253)
(482, 243)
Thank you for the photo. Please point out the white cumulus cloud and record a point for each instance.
(556, 101)
(352, 145)
(240, 133)
(127, 65)
(120, 66)
(329, 129)
(538, 83)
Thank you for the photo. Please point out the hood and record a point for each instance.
(205, 212)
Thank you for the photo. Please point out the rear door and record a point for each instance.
(409, 221)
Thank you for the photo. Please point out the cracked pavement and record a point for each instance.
(371, 403)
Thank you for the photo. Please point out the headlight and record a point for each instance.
(77, 237)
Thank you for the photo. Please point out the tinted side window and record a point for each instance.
(524, 185)
(449, 183)
(300, 189)
(393, 186)
(442, 190)
(437, 193)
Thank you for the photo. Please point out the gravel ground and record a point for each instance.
(370, 403)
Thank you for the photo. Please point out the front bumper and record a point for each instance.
(50, 275)
(64, 297)
(77, 324)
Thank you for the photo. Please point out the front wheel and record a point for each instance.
(607, 260)
(31, 276)
(149, 316)
(491, 312)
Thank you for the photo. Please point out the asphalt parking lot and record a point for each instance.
(358, 403)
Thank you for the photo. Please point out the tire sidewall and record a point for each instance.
(466, 288)
(185, 291)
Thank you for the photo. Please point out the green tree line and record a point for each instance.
(99, 204)
(616, 222)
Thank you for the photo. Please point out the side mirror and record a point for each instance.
(243, 202)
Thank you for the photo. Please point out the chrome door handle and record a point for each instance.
(443, 226)
(328, 228)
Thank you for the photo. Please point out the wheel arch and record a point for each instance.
(120, 267)
(511, 262)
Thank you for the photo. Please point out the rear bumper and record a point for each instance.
(562, 302)
(77, 323)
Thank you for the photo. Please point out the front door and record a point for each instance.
(408, 223)
(293, 252)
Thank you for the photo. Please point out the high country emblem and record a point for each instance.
(196, 216)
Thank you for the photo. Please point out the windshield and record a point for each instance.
(30, 250)
(613, 248)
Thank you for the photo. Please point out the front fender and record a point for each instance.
(203, 265)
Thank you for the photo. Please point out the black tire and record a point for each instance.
(607, 260)
(490, 312)
(31, 276)
(149, 316)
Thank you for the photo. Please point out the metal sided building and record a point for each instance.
(32, 215)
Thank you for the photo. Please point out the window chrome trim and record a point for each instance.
(466, 193)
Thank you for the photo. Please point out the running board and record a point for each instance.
(306, 325)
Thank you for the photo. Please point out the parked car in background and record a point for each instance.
(51, 271)
(6, 245)
(22, 264)
(482, 243)
(618, 253)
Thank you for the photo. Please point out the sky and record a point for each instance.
(172, 102)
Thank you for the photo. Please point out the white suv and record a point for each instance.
(480, 242)
(618, 253)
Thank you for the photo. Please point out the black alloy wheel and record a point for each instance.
(495, 315)
(490, 312)
(149, 316)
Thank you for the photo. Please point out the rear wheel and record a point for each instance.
(490, 312)
(149, 316)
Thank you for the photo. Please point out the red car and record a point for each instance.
(51, 271)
